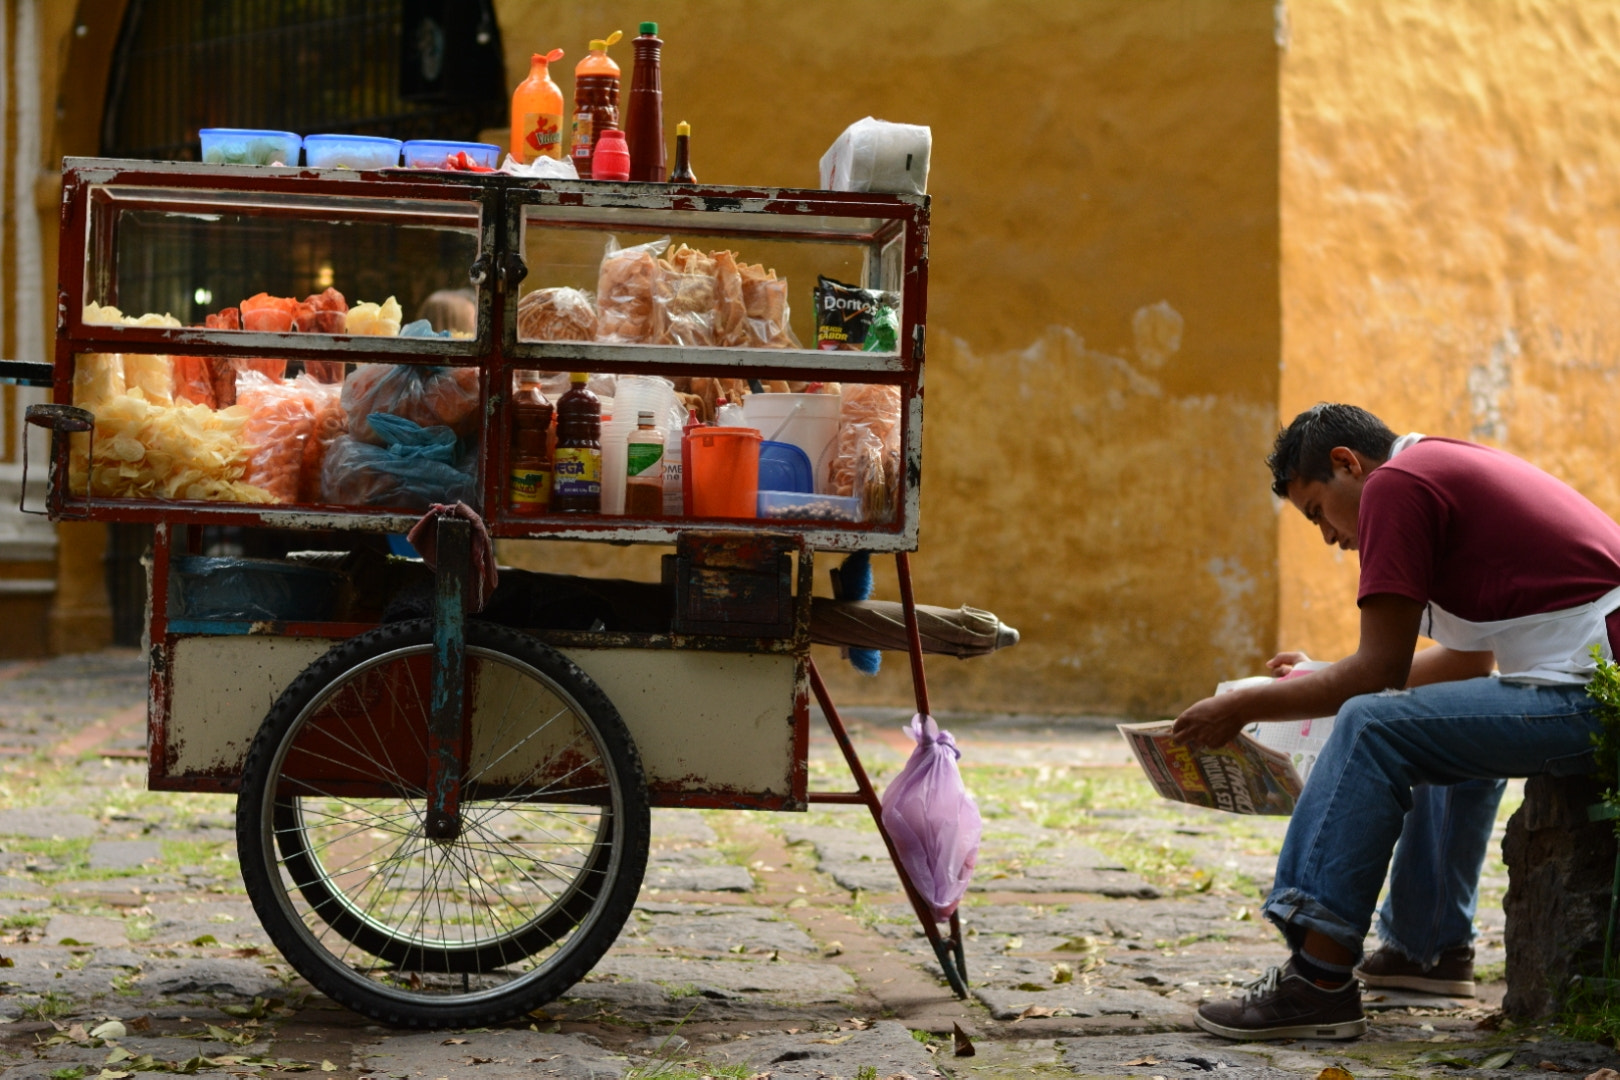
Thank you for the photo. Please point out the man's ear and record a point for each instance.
(1342, 457)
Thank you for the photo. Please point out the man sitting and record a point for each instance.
(1503, 566)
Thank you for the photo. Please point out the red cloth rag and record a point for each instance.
(424, 537)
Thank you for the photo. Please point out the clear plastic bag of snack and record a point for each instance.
(870, 407)
(765, 307)
(687, 297)
(729, 309)
(193, 382)
(629, 296)
(417, 467)
(281, 416)
(330, 422)
(559, 314)
(426, 395)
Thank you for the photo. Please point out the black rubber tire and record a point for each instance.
(271, 841)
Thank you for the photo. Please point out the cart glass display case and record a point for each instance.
(249, 343)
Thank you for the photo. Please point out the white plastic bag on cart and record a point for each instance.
(875, 155)
(932, 820)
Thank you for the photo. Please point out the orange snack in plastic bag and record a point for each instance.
(330, 423)
(687, 295)
(729, 310)
(870, 413)
(192, 381)
(629, 292)
(280, 419)
(766, 303)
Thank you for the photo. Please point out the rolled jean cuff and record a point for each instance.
(1387, 937)
(1294, 913)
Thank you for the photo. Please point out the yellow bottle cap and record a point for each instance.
(683, 128)
(578, 377)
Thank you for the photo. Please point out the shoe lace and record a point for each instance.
(1264, 986)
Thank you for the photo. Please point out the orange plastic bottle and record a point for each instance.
(596, 101)
(537, 112)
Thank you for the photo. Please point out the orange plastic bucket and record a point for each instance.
(721, 472)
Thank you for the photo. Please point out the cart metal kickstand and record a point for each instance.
(948, 950)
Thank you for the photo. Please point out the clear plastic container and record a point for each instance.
(249, 146)
(350, 152)
(432, 153)
(800, 506)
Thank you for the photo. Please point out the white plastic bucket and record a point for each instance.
(808, 421)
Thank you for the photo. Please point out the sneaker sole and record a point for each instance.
(1344, 1029)
(1442, 987)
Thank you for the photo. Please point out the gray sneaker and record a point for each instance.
(1452, 975)
(1283, 1004)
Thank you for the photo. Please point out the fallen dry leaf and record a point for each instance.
(1034, 1012)
(1333, 1072)
(1147, 1059)
(963, 1046)
(454, 1042)
(1601, 1074)
(1553, 1066)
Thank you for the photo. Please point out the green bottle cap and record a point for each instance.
(649, 28)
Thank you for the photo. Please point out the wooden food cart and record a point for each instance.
(442, 820)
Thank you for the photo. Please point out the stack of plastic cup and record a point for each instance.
(635, 394)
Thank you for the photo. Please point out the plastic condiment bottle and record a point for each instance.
(644, 116)
(611, 161)
(682, 172)
(596, 101)
(537, 111)
(644, 469)
(529, 490)
(673, 502)
(577, 462)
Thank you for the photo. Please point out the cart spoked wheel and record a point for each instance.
(466, 925)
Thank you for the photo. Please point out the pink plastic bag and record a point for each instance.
(932, 820)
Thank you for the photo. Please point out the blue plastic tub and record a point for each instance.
(235, 590)
(350, 152)
(249, 146)
(431, 153)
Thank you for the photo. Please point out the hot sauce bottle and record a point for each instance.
(682, 172)
(537, 112)
(596, 101)
(576, 486)
(644, 117)
(529, 490)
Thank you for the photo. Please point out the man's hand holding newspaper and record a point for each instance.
(1257, 770)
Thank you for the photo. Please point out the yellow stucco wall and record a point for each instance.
(1451, 242)
(1103, 338)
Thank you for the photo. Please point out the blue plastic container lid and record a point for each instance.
(253, 133)
(784, 467)
(378, 139)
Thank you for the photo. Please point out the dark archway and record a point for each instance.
(403, 68)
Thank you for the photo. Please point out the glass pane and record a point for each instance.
(690, 286)
(264, 431)
(263, 262)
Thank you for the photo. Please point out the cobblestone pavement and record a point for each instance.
(763, 944)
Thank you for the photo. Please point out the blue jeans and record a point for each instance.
(1422, 768)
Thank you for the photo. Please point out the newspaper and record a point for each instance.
(1242, 777)
(1262, 771)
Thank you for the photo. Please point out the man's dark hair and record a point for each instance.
(1302, 448)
